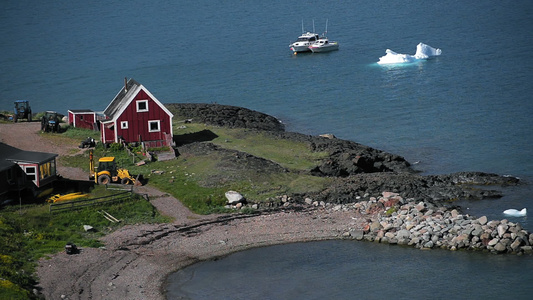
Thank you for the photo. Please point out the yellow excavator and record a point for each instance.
(107, 172)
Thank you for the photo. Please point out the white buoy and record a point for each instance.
(515, 212)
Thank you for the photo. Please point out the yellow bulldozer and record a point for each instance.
(107, 172)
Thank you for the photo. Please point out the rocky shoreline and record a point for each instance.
(375, 196)
(426, 225)
(361, 175)
(359, 171)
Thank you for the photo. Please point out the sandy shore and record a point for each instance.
(137, 259)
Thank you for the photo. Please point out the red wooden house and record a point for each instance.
(83, 118)
(135, 115)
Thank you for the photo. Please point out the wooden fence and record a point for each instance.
(79, 204)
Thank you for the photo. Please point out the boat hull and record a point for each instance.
(304, 41)
(327, 48)
(300, 49)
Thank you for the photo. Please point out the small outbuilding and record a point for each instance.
(135, 115)
(21, 170)
(83, 118)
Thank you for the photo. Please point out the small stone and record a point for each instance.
(375, 226)
(357, 234)
(517, 243)
(527, 249)
(499, 247)
(502, 228)
(233, 197)
(493, 242)
(482, 220)
(454, 213)
(403, 234)
(428, 244)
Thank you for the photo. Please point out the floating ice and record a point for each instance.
(423, 51)
(515, 212)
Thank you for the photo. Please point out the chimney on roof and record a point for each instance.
(125, 84)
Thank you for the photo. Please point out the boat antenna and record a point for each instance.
(326, 32)
(303, 26)
(314, 25)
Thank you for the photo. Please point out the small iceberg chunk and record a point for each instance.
(515, 212)
(423, 51)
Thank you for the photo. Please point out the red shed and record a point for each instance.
(135, 115)
(82, 118)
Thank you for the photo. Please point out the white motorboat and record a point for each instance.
(303, 42)
(323, 44)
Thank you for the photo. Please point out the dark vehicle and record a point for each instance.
(50, 122)
(22, 110)
(89, 142)
(71, 248)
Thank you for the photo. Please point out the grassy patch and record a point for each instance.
(200, 181)
(289, 154)
(30, 232)
(79, 133)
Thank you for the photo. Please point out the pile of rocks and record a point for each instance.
(425, 225)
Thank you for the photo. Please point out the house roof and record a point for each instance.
(81, 111)
(122, 98)
(6, 164)
(125, 96)
(10, 154)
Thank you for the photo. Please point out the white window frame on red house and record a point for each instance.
(123, 124)
(139, 109)
(158, 122)
(31, 172)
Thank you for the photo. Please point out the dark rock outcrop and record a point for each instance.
(348, 158)
(450, 187)
(225, 115)
(359, 171)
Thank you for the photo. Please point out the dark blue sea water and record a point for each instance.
(467, 110)
(353, 270)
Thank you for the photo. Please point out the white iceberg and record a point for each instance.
(515, 212)
(423, 51)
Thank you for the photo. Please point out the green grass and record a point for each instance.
(289, 154)
(79, 133)
(200, 181)
(30, 232)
